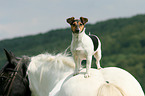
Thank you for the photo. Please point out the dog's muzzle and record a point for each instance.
(77, 30)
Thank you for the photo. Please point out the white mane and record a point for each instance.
(59, 61)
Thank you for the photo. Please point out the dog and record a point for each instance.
(83, 46)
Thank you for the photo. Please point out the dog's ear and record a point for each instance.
(83, 20)
(70, 20)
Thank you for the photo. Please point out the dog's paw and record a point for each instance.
(86, 75)
(99, 68)
(75, 74)
(80, 69)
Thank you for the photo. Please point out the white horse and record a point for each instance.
(52, 75)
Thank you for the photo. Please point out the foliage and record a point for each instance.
(123, 44)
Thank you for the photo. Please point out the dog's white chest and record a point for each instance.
(79, 52)
(81, 46)
(77, 48)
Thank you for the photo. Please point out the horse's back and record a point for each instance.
(80, 86)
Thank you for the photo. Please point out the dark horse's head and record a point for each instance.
(13, 77)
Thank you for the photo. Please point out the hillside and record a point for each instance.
(123, 44)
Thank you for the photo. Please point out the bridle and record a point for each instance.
(11, 78)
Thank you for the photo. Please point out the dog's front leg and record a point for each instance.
(77, 65)
(88, 66)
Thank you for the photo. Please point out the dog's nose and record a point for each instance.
(77, 30)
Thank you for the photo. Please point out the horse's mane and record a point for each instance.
(108, 89)
(59, 61)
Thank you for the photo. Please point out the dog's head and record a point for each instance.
(77, 25)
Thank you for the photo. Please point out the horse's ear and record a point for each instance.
(10, 56)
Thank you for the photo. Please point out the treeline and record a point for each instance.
(123, 44)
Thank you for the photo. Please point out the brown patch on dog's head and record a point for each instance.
(77, 25)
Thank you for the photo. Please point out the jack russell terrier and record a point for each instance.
(83, 46)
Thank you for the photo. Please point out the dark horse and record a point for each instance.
(13, 77)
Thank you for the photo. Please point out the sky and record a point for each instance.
(29, 17)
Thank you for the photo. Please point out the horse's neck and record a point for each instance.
(53, 76)
(50, 78)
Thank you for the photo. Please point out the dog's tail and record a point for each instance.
(109, 89)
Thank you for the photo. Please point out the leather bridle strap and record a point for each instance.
(15, 73)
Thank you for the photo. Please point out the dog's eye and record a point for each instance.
(81, 24)
(73, 24)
